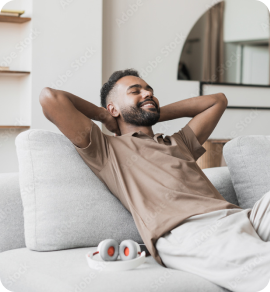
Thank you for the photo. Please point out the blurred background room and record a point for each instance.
(181, 48)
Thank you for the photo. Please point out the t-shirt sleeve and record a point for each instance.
(96, 154)
(189, 138)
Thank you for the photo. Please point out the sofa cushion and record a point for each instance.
(248, 160)
(23, 270)
(11, 213)
(221, 179)
(65, 204)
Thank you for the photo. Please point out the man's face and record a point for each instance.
(136, 101)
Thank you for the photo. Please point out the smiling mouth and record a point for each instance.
(148, 105)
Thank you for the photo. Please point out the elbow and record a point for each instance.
(221, 97)
(47, 94)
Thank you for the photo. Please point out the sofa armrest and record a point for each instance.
(11, 213)
(221, 179)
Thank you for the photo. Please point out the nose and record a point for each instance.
(146, 93)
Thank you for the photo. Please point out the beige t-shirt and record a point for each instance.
(157, 179)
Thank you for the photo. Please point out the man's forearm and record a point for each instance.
(189, 107)
(87, 108)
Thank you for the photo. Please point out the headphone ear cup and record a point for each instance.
(100, 245)
(108, 249)
(129, 250)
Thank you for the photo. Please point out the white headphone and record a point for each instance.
(108, 251)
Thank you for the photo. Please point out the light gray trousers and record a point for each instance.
(230, 248)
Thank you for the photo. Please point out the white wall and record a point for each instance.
(64, 30)
(144, 35)
(67, 30)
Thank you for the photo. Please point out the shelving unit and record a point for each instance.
(14, 19)
(16, 35)
(15, 83)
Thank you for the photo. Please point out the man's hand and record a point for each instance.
(111, 123)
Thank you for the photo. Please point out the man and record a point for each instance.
(173, 203)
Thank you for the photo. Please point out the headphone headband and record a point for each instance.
(99, 264)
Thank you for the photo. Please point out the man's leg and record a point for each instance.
(222, 247)
(260, 217)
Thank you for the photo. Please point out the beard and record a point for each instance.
(139, 117)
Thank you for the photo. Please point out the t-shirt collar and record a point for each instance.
(141, 133)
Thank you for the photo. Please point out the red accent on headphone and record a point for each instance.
(126, 251)
(110, 251)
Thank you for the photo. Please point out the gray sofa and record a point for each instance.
(39, 258)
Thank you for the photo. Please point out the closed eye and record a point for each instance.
(139, 92)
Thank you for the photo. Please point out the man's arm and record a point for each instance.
(72, 114)
(206, 112)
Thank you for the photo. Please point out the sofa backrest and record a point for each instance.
(248, 160)
(11, 213)
(221, 180)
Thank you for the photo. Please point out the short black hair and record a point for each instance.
(109, 85)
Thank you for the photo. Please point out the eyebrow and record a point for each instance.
(139, 86)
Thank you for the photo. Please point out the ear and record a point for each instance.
(113, 110)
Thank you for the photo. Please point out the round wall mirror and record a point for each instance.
(228, 44)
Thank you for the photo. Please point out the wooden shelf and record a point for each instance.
(14, 19)
(15, 73)
(15, 127)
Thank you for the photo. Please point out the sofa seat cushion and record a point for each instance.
(248, 160)
(23, 270)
